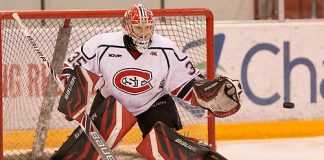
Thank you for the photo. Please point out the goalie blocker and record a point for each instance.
(109, 116)
(113, 121)
(164, 143)
(221, 96)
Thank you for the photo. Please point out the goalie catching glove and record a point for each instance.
(221, 96)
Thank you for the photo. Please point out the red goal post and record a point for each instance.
(26, 105)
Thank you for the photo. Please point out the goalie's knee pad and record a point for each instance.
(163, 142)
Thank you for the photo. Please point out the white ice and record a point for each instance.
(273, 149)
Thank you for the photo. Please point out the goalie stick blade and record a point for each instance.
(75, 96)
(164, 143)
(107, 119)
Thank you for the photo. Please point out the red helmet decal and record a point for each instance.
(139, 13)
(135, 17)
(133, 80)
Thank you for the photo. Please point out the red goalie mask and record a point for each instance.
(138, 24)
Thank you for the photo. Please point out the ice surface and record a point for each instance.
(273, 149)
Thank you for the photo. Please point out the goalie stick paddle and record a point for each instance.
(85, 122)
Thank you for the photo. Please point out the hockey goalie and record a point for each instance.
(142, 70)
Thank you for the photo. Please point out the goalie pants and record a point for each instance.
(164, 110)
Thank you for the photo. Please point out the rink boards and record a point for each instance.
(235, 131)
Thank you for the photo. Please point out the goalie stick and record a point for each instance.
(89, 128)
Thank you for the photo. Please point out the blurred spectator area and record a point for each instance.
(293, 9)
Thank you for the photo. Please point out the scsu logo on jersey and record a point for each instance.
(133, 80)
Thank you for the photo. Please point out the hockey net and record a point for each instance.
(30, 120)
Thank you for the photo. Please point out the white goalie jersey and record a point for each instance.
(135, 81)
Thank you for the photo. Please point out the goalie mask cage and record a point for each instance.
(30, 123)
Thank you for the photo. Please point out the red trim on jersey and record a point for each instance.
(176, 91)
(188, 97)
(135, 54)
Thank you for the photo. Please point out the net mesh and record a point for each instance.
(25, 78)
